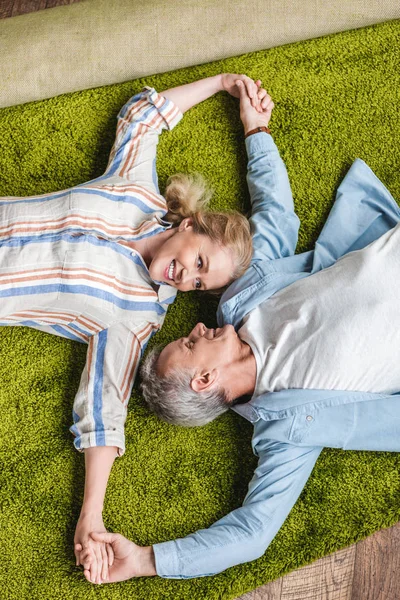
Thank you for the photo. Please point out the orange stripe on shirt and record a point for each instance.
(135, 143)
(139, 337)
(106, 279)
(72, 220)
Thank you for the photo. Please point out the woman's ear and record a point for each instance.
(204, 381)
(185, 224)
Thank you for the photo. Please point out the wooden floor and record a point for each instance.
(369, 570)
(12, 8)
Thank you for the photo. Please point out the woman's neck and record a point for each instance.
(148, 247)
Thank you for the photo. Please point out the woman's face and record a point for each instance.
(191, 261)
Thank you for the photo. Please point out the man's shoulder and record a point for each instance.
(261, 281)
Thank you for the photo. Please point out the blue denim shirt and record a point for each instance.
(290, 426)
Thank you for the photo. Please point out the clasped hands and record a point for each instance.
(110, 557)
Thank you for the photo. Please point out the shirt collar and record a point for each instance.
(166, 293)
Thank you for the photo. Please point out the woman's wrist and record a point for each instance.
(92, 509)
(217, 84)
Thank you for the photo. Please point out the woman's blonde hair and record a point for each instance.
(188, 195)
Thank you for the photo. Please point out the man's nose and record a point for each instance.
(198, 331)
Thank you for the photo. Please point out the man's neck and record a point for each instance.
(241, 375)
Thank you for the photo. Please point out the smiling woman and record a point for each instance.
(207, 251)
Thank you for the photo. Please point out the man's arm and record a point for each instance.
(274, 222)
(242, 535)
(363, 211)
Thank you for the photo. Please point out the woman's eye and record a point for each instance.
(199, 262)
(198, 284)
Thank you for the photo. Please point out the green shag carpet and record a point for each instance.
(337, 98)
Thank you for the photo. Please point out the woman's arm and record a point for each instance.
(186, 96)
(98, 463)
(142, 119)
(99, 417)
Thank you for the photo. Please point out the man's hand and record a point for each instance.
(130, 560)
(101, 554)
(254, 116)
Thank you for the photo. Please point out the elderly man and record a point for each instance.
(313, 338)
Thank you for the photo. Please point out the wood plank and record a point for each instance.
(329, 578)
(53, 3)
(13, 8)
(377, 562)
(6, 7)
(21, 7)
(269, 591)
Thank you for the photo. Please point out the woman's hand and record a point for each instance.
(228, 82)
(99, 554)
(130, 559)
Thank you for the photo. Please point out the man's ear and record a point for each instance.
(185, 224)
(204, 381)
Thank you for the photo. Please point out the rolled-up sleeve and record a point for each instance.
(244, 534)
(140, 122)
(274, 223)
(100, 404)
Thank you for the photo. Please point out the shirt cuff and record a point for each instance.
(91, 440)
(167, 109)
(166, 558)
(260, 143)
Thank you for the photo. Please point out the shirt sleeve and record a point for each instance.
(274, 223)
(100, 405)
(244, 534)
(363, 211)
(140, 122)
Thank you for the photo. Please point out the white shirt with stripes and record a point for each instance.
(66, 268)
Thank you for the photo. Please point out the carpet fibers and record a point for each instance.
(337, 98)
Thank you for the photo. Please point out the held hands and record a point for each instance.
(229, 84)
(130, 560)
(253, 116)
(101, 554)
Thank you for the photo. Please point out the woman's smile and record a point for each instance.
(169, 273)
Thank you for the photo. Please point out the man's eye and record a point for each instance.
(197, 284)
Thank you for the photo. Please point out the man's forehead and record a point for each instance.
(168, 354)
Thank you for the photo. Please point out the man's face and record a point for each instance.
(190, 261)
(203, 350)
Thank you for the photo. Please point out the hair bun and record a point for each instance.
(186, 194)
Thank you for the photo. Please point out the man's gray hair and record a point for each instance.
(172, 399)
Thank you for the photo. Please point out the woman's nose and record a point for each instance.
(185, 276)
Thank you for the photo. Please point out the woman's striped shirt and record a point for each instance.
(66, 268)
